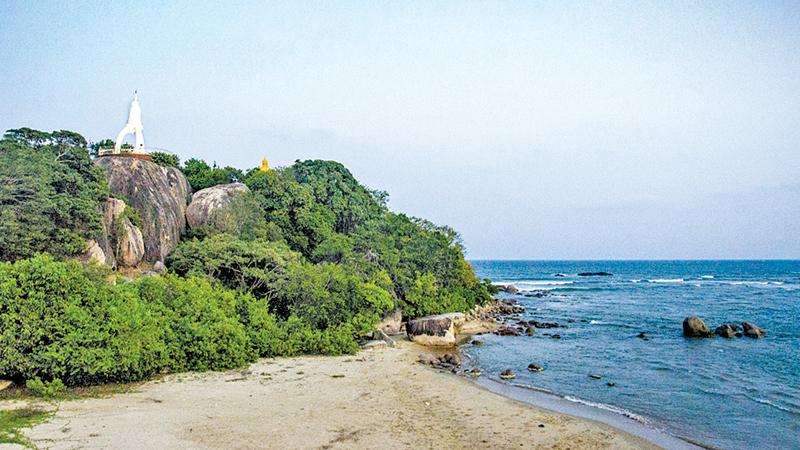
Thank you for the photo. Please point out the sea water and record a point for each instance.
(729, 393)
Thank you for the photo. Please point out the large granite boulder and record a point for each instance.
(694, 326)
(96, 253)
(210, 207)
(159, 194)
(125, 237)
(440, 330)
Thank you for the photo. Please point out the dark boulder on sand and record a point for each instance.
(440, 330)
(753, 331)
(694, 326)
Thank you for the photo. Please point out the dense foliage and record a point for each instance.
(165, 159)
(49, 194)
(201, 175)
(306, 262)
(64, 321)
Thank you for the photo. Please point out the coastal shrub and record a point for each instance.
(50, 194)
(200, 175)
(201, 325)
(46, 389)
(63, 320)
(257, 267)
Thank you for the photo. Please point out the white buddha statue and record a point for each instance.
(134, 127)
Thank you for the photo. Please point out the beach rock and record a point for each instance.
(595, 274)
(753, 331)
(391, 322)
(160, 267)
(123, 236)
(694, 326)
(507, 374)
(506, 331)
(537, 324)
(210, 209)
(439, 330)
(535, 367)
(94, 252)
(475, 372)
(725, 330)
(510, 288)
(375, 344)
(158, 194)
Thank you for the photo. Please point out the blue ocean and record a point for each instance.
(738, 393)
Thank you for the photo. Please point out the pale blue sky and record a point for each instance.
(538, 130)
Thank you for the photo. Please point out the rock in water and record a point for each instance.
(753, 331)
(694, 326)
(725, 330)
(507, 374)
(159, 194)
(210, 207)
(595, 274)
(440, 330)
(535, 367)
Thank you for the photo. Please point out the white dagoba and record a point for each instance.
(134, 127)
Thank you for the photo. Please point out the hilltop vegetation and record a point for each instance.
(309, 264)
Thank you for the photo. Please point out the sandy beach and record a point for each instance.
(379, 398)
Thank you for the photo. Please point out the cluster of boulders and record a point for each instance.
(526, 327)
(694, 326)
(445, 361)
(510, 288)
(162, 198)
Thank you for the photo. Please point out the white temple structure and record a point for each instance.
(134, 127)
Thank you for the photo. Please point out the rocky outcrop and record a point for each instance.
(440, 330)
(210, 207)
(694, 326)
(124, 237)
(159, 195)
(753, 331)
(595, 274)
(96, 253)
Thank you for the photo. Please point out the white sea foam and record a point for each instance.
(707, 277)
(666, 280)
(614, 409)
(635, 281)
(596, 322)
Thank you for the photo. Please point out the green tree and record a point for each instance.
(165, 159)
(50, 194)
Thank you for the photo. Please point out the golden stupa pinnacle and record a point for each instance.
(264, 166)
